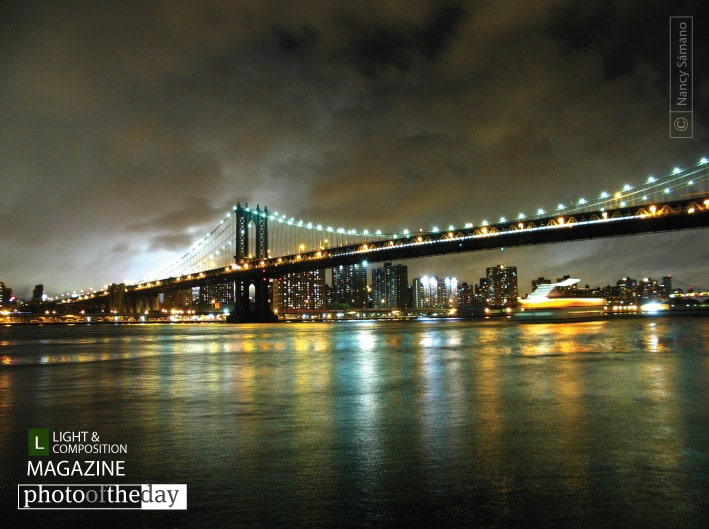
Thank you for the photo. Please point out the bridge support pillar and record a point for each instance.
(256, 310)
(245, 309)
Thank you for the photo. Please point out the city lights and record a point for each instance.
(214, 251)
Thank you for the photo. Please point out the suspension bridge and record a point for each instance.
(250, 247)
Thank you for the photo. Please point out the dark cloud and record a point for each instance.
(129, 129)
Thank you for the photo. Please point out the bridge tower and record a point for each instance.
(244, 309)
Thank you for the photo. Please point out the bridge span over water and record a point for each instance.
(249, 247)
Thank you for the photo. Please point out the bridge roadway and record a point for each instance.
(692, 212)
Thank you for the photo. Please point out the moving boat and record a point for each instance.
(548, 303)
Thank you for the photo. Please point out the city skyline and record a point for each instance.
(129, 129)
(351, 285)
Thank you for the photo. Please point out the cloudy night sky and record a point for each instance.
(128, 129)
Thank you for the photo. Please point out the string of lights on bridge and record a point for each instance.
(288, 236)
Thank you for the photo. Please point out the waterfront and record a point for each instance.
(443, 423)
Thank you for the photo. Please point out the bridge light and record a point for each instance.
(485, 223)
(582, 201)
(627, 187)
(406, 231)
(667, 191)
(690, 183)
(503, 219)
(435, 229)
(676, 170)
(451, 227)
(623, 204)
(468, 224)
(703, 161)
(521, 216)
(378, 232)
(604, 195)
(560, 207)
(650, 179)
(541, 211)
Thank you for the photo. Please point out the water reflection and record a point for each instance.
(365, 424)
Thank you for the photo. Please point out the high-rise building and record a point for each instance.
(179, 299)
(481, 290)
(38, 294)
(627, 289)
(466, 294)
(390, 286)
(216, 294)
(300, 291)
(4, 297)
(425, 292)
(667, 286)
(649, 290)
(448, 293)
(502, 286)
(349, 285)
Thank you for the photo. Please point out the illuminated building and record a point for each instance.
(390, 286)
(627, 290)
(300, 291)
(349, 285)
(430, 292)
(5, 294)
(481, 290)
(178, 299)
(216, 294)
(502, 286)
(466, 294)
(425, 292)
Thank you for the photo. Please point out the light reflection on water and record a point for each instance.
(365, 424)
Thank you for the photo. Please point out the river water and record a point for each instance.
(433, 423)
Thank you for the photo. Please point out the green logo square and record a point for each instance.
(38, 442)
